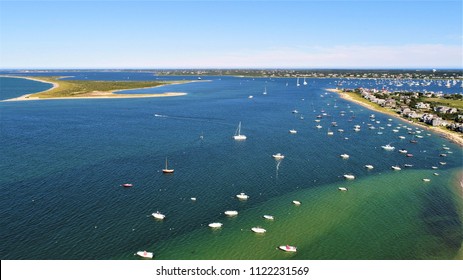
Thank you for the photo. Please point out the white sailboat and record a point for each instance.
(238, 135)
(167, 170)
(304, 83)
(297, 83)
(265, 91)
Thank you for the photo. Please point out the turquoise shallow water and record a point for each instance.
(63, 162)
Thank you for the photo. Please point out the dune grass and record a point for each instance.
(78, 88)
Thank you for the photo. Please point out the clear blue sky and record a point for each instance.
(229, 34)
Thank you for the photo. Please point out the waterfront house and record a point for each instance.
(422, 105)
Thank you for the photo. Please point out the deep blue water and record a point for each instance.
(63, 161)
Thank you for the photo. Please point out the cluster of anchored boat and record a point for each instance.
(278, 156)
(216, 225)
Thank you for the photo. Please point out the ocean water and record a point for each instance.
(63, 161)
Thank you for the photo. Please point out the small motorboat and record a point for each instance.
(231, 213)
(145, 254)
(292, 131)
(426, 180)
(409, 155)
(344, 156)
(388, 147)
(268, 217)
(343, 189)
(349, 176)
(403, 151)
(258, 230)
(242, 196)
(127, 185)
(296, 202)
(408, 165)
(288, 248)
(215, 225)
(193, 199)
(158, 215)
(369, 166)
(436, 174)
(396, 167)
(278, 156)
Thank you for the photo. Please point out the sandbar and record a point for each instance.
(89, 95)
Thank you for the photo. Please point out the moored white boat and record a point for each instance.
(258, 230)
(167, 170)
(396, 167)
(349, 176)
(158, 215)
(231, 213)
(215, 225)
(292, 131)
(268, 217)
(288, 248)
(238, 135)
(296, 202)
(344, 156)
(342, 189)
(242, 196)
(369, 166)
(145, 254)
(388, 147)
(426, 179)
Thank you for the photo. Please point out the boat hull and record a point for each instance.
(145, 254)
(287, 248)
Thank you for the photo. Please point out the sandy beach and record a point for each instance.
(89, 95)
(97, 95)
(455, 137)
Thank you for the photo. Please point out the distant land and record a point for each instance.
(309, 73)
(91, 89)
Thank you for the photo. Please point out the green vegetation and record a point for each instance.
(456, 103)
(76, 88)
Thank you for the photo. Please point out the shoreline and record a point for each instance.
(446, 134)
(90, 95)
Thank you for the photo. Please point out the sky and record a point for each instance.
(231, 34)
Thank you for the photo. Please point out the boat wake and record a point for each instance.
(201, 119)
